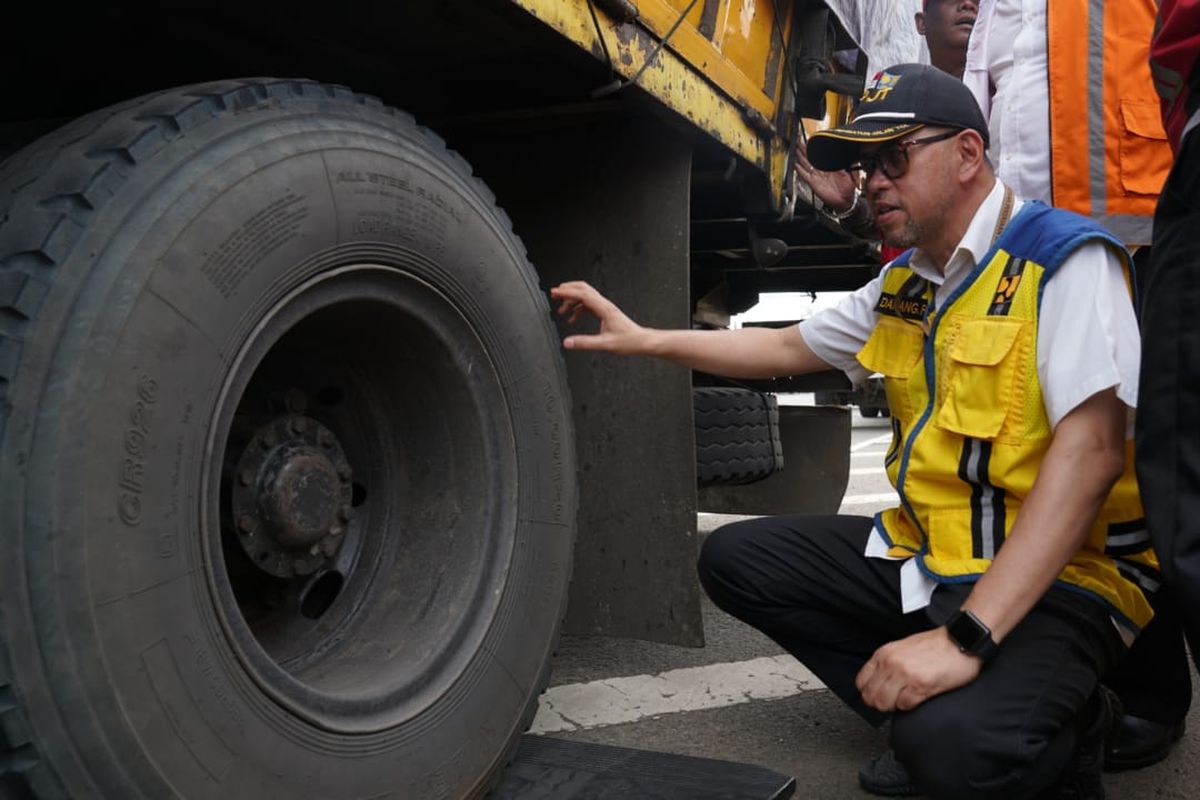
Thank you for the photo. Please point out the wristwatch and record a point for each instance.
(841, 215)
(971, 635)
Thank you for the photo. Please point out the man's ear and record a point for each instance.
(919, 18)
(972, 151)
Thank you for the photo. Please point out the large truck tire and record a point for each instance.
(287, 486)
(737, 435)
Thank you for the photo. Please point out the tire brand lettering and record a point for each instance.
(131, 475)
(439, 202)
(377, 223)
(389, 180)
(135, 443)
(405, 212)
(212, 679)
(132, 471)
(129, 508)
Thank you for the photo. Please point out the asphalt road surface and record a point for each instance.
(742, 698)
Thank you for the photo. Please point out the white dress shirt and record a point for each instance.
(883, 29)
(1087, 338)
(1007, 53)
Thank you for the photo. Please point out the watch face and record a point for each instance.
(969, 633)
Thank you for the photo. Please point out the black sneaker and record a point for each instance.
(885, 776)
(1137, 742)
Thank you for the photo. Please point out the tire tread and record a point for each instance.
(737, 435)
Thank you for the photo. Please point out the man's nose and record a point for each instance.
(877, 180)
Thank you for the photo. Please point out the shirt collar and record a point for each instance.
(974, 244)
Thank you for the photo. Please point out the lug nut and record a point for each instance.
(336, 530)
(298, 424)
(325, 438)
(296, 401)
(344, 471)
(246, 523)
(247, 477)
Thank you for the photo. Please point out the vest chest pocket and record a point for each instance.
(977, 387)
(894, 351)
(1145, 154)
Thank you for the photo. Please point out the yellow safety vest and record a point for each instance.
(970, 429)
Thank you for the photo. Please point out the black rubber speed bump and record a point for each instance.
(558, 769)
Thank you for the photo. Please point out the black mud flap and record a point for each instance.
(547, 768)
(618, 218)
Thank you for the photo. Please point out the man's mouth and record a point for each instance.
(965, 21)
(883, 210)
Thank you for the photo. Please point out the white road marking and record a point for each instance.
(580, 706)
(869, 471)
(884, 437)
(864, 499)
(870, 454)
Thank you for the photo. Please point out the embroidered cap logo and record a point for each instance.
(879, 89)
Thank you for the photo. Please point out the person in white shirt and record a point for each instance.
(1006, 71)
(983, 643)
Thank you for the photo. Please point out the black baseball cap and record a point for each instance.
(897, 101)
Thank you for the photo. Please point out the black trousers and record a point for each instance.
(1154, 678)
(805, 582)
(1168, 418)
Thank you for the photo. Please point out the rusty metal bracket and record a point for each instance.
(617, 85)
(621, 10)
(755, 119)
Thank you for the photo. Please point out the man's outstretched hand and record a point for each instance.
(618, 333)
(905, 673)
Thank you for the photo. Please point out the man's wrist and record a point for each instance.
(857, 218)
(649, 342)
(971, 635)
(855, 201)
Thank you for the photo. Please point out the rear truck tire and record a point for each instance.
(287, 484)
(737, 435)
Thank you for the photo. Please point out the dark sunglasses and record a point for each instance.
(893, 160)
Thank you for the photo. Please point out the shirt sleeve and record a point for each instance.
(1088, 338)
(837, 334)
(975, 72)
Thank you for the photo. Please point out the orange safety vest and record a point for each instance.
(1109, 154)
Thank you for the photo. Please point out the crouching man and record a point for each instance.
(980, 613)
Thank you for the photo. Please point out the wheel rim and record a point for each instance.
(359, 491)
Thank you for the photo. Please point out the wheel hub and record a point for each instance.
(292, 497)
